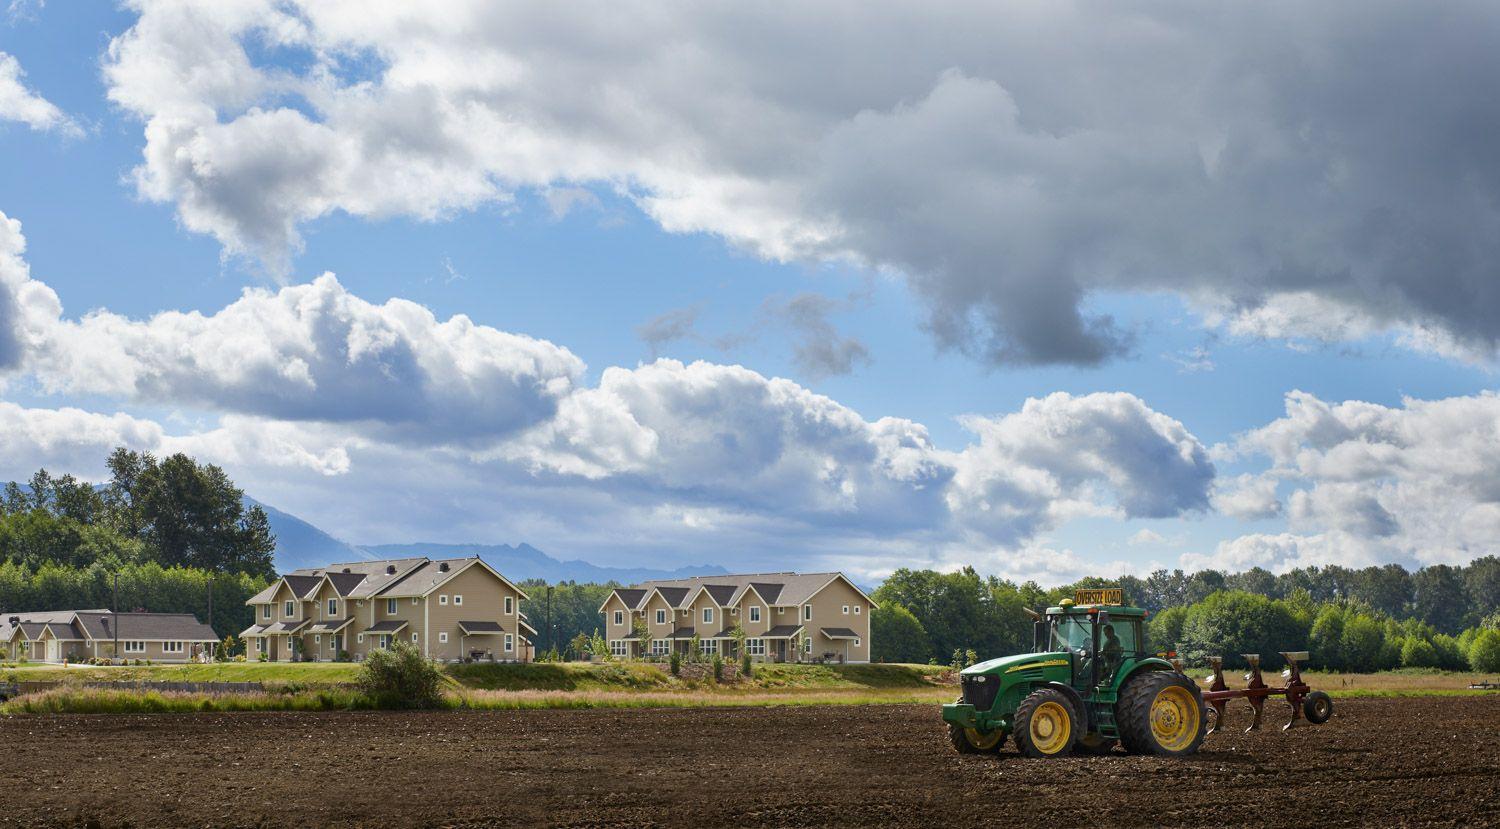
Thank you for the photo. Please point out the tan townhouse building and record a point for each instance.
(452, 609)
(75, 635)
(786, 617)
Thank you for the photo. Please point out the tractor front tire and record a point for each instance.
(1161, 713)
(1046, 725)
(1317, 707)
(973, 741)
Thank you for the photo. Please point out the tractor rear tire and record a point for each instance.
(1046, 725)
(970, 741)
(1317, 707)
(1161, 713)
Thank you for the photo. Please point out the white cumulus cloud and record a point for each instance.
(20, 103)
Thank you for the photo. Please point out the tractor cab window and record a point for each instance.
(1072, 633)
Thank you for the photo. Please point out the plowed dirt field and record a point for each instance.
(1427, 761)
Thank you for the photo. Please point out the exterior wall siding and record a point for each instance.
(483, 600)
(827, 612)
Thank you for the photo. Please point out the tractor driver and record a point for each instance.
(1111, 651)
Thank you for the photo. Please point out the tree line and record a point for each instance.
(1357, 620)
(168, 529)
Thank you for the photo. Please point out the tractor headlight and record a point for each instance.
(979, 678)
(1286, 674)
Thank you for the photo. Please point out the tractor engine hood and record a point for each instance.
(1006, 663)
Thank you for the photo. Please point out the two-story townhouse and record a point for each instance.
(451, 609)
(786, 617)
(75, 635)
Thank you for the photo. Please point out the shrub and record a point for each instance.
(399, 677)
(1418, 653)
(718, 668)
(745, 666)
(675, 660)
(1484, 653)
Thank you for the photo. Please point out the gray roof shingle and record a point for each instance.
(152, 626)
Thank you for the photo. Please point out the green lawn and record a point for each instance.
(608, 677)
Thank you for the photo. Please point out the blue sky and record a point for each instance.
(579, 233)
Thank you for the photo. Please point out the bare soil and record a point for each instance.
(1398, 762)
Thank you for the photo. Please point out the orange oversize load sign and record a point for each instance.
(1105, 595)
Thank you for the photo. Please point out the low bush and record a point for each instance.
(400, 677)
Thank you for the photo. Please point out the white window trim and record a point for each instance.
(265, 611)
(360, 638)
(510, 642)
(856, 643)
(708, 615)
(289, 608)
(510, 605)
(443, 637)
(708, 646)
(846, 610)
(661, 616)
(414, 638)
(390, 607)
(619, 617)
(333, 607)
(443, 599)
(857, 608)
(755, 613)
(458, 599)
(755, 647)
(807, 613)
(807, 646)
(618, 647)
(132, 646)
(171, 647)
(318, 639)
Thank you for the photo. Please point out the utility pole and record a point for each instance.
(549, 619)
(115, 619)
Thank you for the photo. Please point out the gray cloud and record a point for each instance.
(818, 348)
(669, 327)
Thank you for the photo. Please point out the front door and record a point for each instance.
(52, 650)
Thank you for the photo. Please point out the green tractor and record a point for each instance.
(1087, 684)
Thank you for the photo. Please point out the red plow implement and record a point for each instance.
(1316, 706)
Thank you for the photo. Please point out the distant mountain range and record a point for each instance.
(300, 544)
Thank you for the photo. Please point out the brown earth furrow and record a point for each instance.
(1409, 762)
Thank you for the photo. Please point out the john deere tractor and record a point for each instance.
(1087, 684)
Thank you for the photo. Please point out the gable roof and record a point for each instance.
(778, 589)
(374, 576)
(172, 627)
(433, 574)
(631, 596)
(38, 616)
(302, 586)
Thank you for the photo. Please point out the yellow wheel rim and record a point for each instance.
(1051, 727)
(983, 741)
(1174, 718)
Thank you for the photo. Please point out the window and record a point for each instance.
(260, 644)
(171, 647)
(443, 637)
(443, 599)
(780, 610)
(458, 600)
(134, 647)
(659, 647)
(265, 611)
(510, 605)
(385, 640)
(360, 638)
(708, 615)
(333, 607)
(318, 640)
(289, 609)
(390, 607)
(661, 616)
(709, 646)
(846, 610)
(856, 643)
(510, 642)
(414, 639)
(755, 613)
(618, 647)
(619, 617)
(856, 609)
(807, 645)
(807, 613)
(755, 647)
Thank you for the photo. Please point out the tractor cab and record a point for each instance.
(1099, 633)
